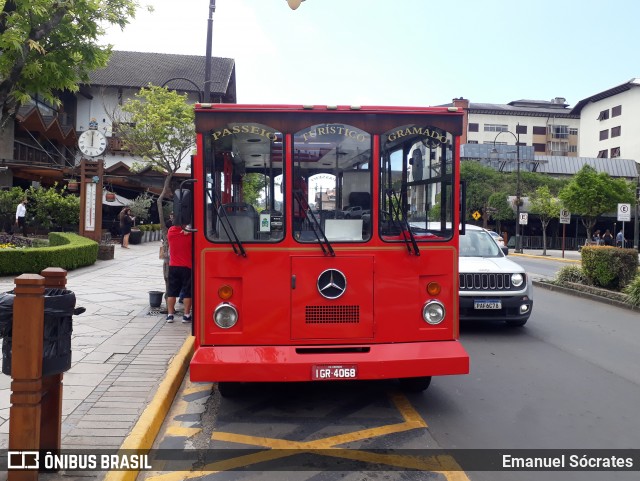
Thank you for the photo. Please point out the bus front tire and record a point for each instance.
(415, 384)
(230, 389)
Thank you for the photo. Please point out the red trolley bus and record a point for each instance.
(325, 244)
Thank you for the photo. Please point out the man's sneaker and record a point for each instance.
(170, 318)
(186, 318)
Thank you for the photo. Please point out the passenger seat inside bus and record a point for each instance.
(242, 217)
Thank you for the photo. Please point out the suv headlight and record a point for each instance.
(517, 279)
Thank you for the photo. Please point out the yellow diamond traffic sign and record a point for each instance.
(476, 215)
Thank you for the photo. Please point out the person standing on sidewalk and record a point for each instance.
(126, 222)
(21, 215)
(179, 280)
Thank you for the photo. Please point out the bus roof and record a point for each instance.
(326, 108)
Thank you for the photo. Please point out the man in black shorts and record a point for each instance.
(179, 280)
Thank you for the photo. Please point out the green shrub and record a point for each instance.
(632, 291)
(609, 267)
(570, 274)
(66, 250)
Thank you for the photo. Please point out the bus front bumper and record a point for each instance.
(301, 363)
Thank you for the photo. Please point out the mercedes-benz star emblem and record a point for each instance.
(332, 283)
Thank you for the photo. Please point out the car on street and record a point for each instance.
(497, 237)
(354, 212)
(491, 286)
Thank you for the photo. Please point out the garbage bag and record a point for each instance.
(59, 308)
(6, 313)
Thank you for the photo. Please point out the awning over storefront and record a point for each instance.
(119, 202)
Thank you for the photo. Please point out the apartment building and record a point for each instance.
(550, 127)
(610, 122)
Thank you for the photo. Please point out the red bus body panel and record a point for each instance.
(282, 331)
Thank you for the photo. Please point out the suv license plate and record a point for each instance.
(328, 373)
(487, 304)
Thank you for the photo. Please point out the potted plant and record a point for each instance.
(136, 236)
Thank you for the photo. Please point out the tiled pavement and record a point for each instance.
(121, 350)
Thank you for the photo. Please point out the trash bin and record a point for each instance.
(59, 307)
(155, 298)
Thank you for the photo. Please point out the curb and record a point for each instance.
(547, 257)
(144, 433)
(586, 295)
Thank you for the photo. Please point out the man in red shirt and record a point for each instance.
(179, 279)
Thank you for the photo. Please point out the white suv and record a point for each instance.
(490, 285)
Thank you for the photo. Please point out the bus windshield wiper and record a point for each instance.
(412, 245)
(317, 228)
(238, 248)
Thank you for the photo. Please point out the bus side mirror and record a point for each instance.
(183, 207)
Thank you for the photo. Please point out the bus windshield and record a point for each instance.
(416, 183)
(244, 183)
(332, 183)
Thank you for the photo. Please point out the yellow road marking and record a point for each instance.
(180, 431)
(281, 448)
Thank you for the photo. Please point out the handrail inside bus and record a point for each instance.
(316, 224)
(399, 212)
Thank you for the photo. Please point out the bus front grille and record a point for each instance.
(332, 314)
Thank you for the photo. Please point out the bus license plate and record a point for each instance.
(328, 373)
(488, 304)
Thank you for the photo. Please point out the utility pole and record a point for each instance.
(207, 63)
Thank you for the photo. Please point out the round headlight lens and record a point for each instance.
(225, 316)
(433, 312)
(517, 279)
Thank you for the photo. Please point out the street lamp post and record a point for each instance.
(186, 80)
(516, 136)
(207, 63)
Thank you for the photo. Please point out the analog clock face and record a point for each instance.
(92, 143)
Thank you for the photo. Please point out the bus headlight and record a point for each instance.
(225, 316)
(517, 279)
(433, 312)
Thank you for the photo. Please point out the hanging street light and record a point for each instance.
(518, 199)
(293, 4)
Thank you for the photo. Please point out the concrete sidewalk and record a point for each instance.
(121, 350)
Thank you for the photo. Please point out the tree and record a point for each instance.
(47, 208)
(500, 209)
(158, 126)
(482, 182)
(48, 46)
(546, 207)
(9, 200)
(591, 194)
(140, 207)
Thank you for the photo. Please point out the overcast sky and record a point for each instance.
(402, 52)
